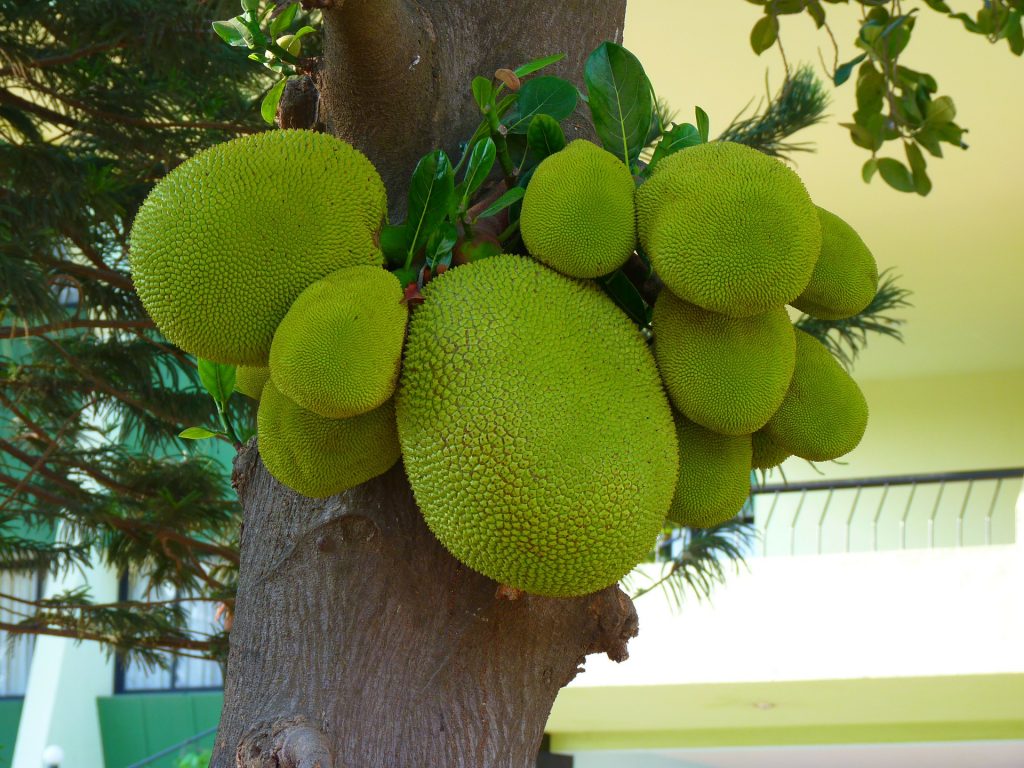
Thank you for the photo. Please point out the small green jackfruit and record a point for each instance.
(728, 228)
(728, 374)
(845, 278)
(250, 380)
(578, 211)
(338, 350)
(219, 251)
(824, 414)
(766, 454)
(535, 432)
(317, 456)
(714, 476)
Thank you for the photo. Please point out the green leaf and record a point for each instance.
(619, 95)
(431, 197)
(703, 125)
(198, 433)
(218, 379)
(481, 161)
(546, 95)
(441, 242)
(283, 20)
(250, 5)
(233, 32)
(679, 137)
(764, 34)
(304, 31)
(406, 275)
(817, 12)
(938, 5)
(843, 71)
(511, 197)
(395, 242)
(919, 169)
(268, 107)
(896, 174)
(625, 294)
(868, 171)
(929, 139)
(544, 137)
(483, 92)
(537, 64)
(941, 111)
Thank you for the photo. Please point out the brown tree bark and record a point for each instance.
(357, 639)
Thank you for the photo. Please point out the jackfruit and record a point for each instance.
(218, 253)
(338, 350)
(845, 278)
(578, 211)
(727, 374)
(535, 432)
(320, 457)
(824, 414)
(766, 454)
(250, 380)
(728, 228)
(714, 476)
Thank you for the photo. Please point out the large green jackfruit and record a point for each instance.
(250, 380)
(338, 350)
(845, 278)
(728, 228)
(728, 374)
(320, 457)
(714, 476)
(535, 432)
(766, 454)
(219, 251)
(578, 213)
(824, 414)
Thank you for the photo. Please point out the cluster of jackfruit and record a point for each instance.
(734, 237)
(535, 422)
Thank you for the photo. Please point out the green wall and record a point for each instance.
(10, 715)
(135, 726)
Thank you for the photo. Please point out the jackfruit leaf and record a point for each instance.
(481, 161)
(703, 124)
(483, 92)
(868, 171)
(941, 111)
(544, 137)
(511, 197)
(233, 32)
(406, 275)
(547, 95)
(843, 71)
(896, 174)
(919, 169)
(764, 34)
(619, 96)
(283, 20)
(268, 107)
(198, 433)
(218, 379)
(431, 198)
(440, 244)
(622, 291)
(679, 137)
(537, 64)
(394, 242)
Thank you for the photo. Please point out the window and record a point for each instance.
(17, 655)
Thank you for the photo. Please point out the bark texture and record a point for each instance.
(357, 640)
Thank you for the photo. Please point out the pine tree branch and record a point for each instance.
(6, 97)
(19, 332)
(168, 644)
(58, 60)
(116, 279)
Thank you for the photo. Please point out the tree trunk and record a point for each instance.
(357, 639)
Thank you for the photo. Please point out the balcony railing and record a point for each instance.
(950, 509)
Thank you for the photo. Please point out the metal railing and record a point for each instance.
(174, 748)
(895, 507)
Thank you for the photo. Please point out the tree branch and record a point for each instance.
(16, 332)
(6, 97)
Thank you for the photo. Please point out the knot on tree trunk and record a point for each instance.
(615, 623)
(287, 743)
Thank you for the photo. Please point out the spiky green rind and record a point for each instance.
(250, 380)
(535, 431)
(320, 457)
(578, 211)
(728, 228)
(766, 454)
(218, 253)
(824, 414)
(728, 374)
(714, 476)
(845, 278)
(338, 350)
